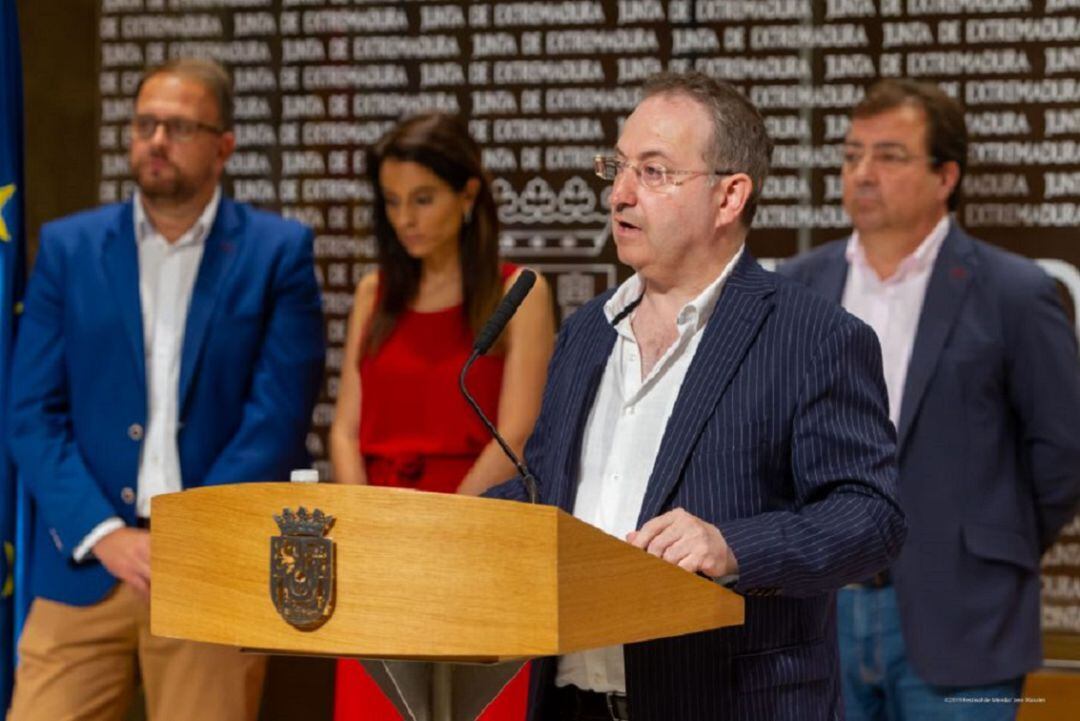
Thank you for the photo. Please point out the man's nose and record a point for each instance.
(863, 172)
(624, 188)
(160, 136)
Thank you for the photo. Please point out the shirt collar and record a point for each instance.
(921, 259)
(194, 235)
(695, 314)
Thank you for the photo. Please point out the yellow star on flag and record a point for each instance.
(6, 191)
(9, 582)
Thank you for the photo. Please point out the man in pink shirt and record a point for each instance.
(981, 368)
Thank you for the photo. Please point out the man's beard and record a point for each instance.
(171, 187)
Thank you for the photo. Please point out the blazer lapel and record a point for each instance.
(739, 314)
(581, 393)
(830, 281)
(218, 255)
(949, 282)
(120, 264)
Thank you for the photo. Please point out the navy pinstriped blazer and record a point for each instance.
(780, 436)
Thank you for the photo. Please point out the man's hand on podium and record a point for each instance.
(687, 541)
(125, 553)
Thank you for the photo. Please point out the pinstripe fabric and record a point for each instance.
(780, 437)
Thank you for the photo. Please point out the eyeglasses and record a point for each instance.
(178, 129)
(884, 158)
(650, 174)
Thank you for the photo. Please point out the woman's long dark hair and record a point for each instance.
(442, 144)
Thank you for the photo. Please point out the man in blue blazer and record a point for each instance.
(984, 387)
(721, 418)
(169, 342)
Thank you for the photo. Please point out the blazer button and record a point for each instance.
(135, 432)
(127, 495)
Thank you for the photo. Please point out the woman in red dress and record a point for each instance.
(400, 419)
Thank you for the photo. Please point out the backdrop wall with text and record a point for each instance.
(545, 86)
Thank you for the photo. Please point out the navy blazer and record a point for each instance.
(250, 371)
(779, 436)
(988, 451)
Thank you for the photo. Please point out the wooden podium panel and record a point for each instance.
(418, 576)
(611, 592)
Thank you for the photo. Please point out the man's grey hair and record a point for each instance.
(211, 74)
(740, 141)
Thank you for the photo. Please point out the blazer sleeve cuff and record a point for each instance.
(82, 551)
(750, 544)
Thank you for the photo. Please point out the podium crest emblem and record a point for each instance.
(302, 568)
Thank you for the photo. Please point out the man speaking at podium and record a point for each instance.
(721, 418)
(168, 342)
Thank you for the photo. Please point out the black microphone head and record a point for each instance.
(521, 287)
(504, 311)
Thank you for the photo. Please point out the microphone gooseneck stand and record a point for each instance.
(527, 477)
(484, 340)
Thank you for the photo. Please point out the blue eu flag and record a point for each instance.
(12, 273)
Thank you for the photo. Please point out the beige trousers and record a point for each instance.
(81, 664)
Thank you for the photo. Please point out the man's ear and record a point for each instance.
(950, 178)
(731, 194)
(226, 146)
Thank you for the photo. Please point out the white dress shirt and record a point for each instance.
(167, 274)
(892, 306)
(621, 441)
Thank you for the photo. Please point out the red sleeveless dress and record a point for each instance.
(416, 431)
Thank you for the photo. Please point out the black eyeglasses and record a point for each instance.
(177, 129)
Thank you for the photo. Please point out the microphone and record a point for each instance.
(487, 335)
(504, 311)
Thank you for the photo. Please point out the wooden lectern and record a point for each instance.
(417, 577)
